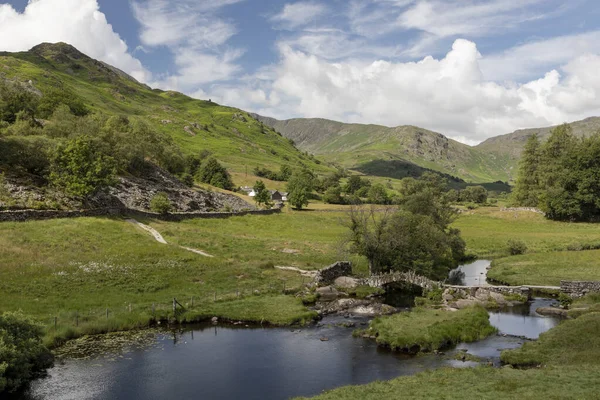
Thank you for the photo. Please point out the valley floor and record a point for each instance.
(76, 269)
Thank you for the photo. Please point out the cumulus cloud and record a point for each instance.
(450, 95)
(77, 22)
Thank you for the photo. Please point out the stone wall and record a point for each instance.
(579, 289)
(36, 215)
(473, 291)
(527, 209)
(328, 275)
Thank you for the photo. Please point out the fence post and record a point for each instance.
(55, 322)
(107, 313)
(76, 318)
(174, 306)
(192, 301)
(283, 287)
(153, 310)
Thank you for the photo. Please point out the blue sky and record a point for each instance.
(470, 69)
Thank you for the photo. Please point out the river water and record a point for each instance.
(207, 362)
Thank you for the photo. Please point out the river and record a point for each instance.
(226, 362)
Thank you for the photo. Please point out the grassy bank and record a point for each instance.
(75, 269)
(427, 329)
(480, 383)
(547, 269)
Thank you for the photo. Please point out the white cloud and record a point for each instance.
(294, 15)
(197, 37)
(450, 95)
(523, 61)
(77, 22)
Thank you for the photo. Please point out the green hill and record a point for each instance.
(235, 138)
(509, 147)
(391, 152)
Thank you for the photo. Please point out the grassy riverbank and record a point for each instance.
(480, 383)
(75, 269)
(566, 361)
(428, 329)
(547, 269)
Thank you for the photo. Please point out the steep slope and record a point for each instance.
(235, 138)
(391, 152)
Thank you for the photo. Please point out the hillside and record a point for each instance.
(509, 146)
(391, 152)
(126, 121)
(235, 138)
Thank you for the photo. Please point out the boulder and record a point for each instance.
(464, 303)
(346, 282)
(552, 311)
(328, 293)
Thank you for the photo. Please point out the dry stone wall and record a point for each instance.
(579, 289)
(36, 215)
(328, 275)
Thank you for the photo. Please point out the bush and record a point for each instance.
(80, 169)
(160, 203)
(516, 247)
(213, 173)
(565, 300)
(22, 354)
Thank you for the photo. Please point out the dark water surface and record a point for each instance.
(206, 362)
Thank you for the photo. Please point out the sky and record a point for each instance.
(470, 69)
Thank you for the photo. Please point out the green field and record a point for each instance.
(78, 268)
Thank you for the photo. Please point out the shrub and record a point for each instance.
(565, 300)
(80, 168)
(516, 247)
(160, 203)
(22, 354)
(213, 173)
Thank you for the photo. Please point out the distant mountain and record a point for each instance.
(391, 152)
(510, 146)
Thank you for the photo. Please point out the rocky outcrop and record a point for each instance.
(346, 282)
(328, 275)
(137, 193)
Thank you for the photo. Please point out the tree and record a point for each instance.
(213, 173)
(285, 172)
(299, 188)
(262, 195)
(160, 203)
(378, 194)
(476, 194)
(80, 168)
(403, 241)
(22, 355)
(354, 183)
(16, 98)
(527, 189)
(333, 195)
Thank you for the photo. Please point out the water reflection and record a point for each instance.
(474, 274)
(523, 320)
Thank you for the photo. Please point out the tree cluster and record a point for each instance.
(415, 236)
(561, 176)
(23, 357)
(55, 138)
